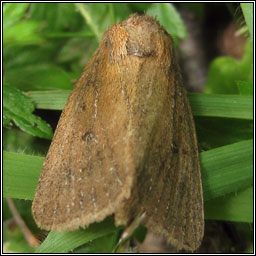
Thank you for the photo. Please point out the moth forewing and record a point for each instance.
(125, 143)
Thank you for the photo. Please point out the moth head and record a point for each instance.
(146, 37)
(140, 36)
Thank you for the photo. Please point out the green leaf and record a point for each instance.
(224, 72)
(231, 106)
(224, 170)
(104, 244)
(18, 56)
(248, 15)
(245, 88)
(18, 107)
(71, 51)
(235, 207)
(227, 169)
(89, 18)
(6, 120)
(15, 140)
(16, 30)
(221, 76)
(20, 175)
(56, 16)
(169, 18)
(213, 132)
(13, 12)
(41, 76)
(23, 32)
(61, 242)
(99, 17)
(54, 100)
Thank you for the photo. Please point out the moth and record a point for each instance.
(125, 144)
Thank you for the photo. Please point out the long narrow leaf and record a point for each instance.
(61, 242)
(231, 106)
(20, 175)
(224, 170)
(235, 207)
(227, 169)
(52, 100)
(218, 105)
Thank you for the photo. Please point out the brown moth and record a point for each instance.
(125, 143)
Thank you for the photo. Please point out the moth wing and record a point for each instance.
(125, 142)
(85, 175)
(172, 191)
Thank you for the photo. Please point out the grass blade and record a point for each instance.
(234, 207)
(220, 105)
(20, 175)
(224, 170)
(227, 169)
(217, 105)
(61, 242)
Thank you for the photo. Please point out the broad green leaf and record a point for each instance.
(23, 33)
(13, 12)
(221, 76)
(18, 108)
(224, 72)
